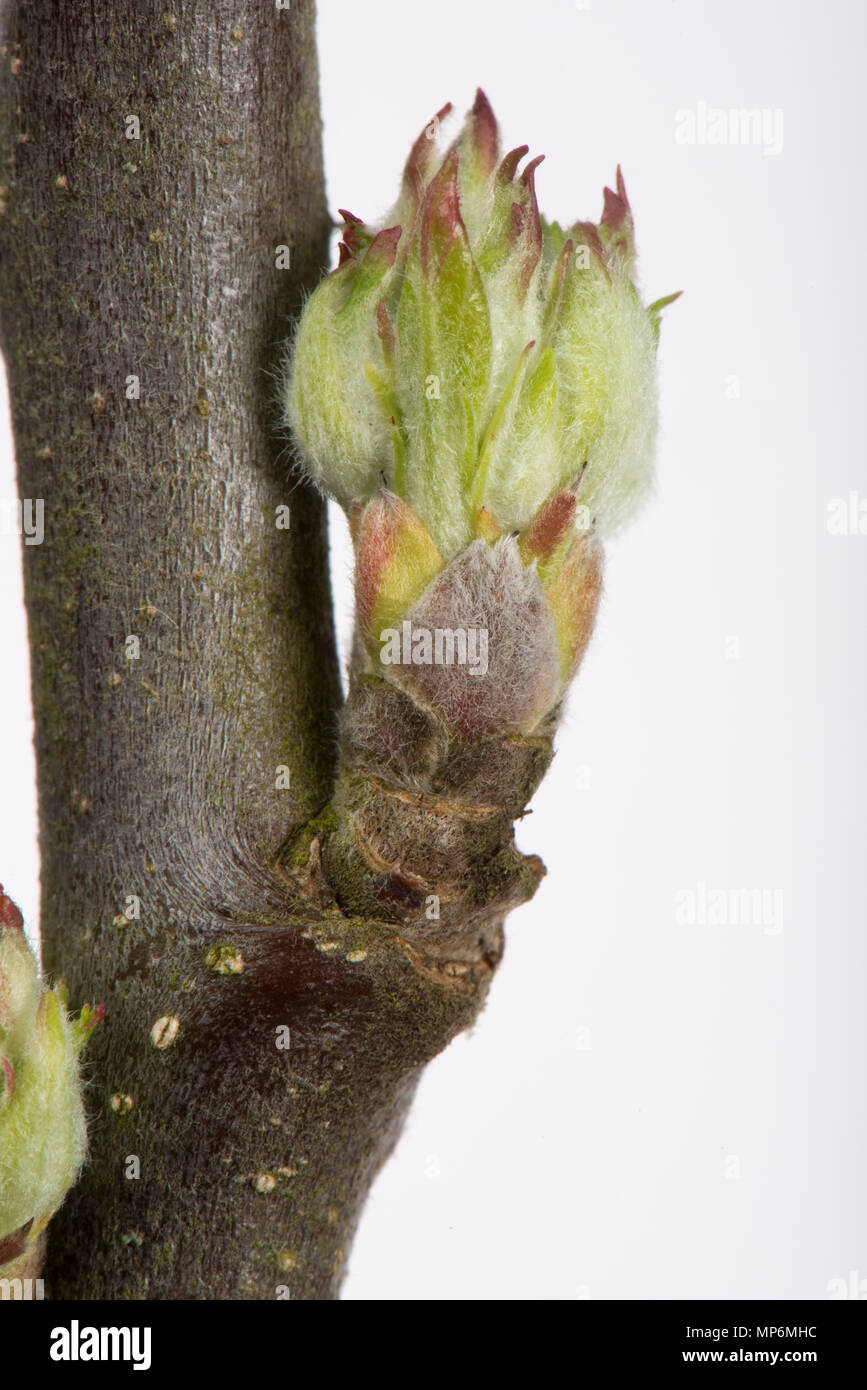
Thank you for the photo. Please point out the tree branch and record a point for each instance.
(182, 655)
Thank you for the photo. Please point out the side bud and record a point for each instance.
(42, 1129)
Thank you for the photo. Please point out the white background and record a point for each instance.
(648, 1109)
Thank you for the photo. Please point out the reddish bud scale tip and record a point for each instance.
(616, 207)
(344, 255)
(15, 1243)
(506, 171)
(442, 223)
(616, 226)
(383, 248)
(526, 227)
(10, 917)
(485, 132)
(422, 155)
(352, 233)
(528, 174)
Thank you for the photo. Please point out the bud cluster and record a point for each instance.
(477, 387)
